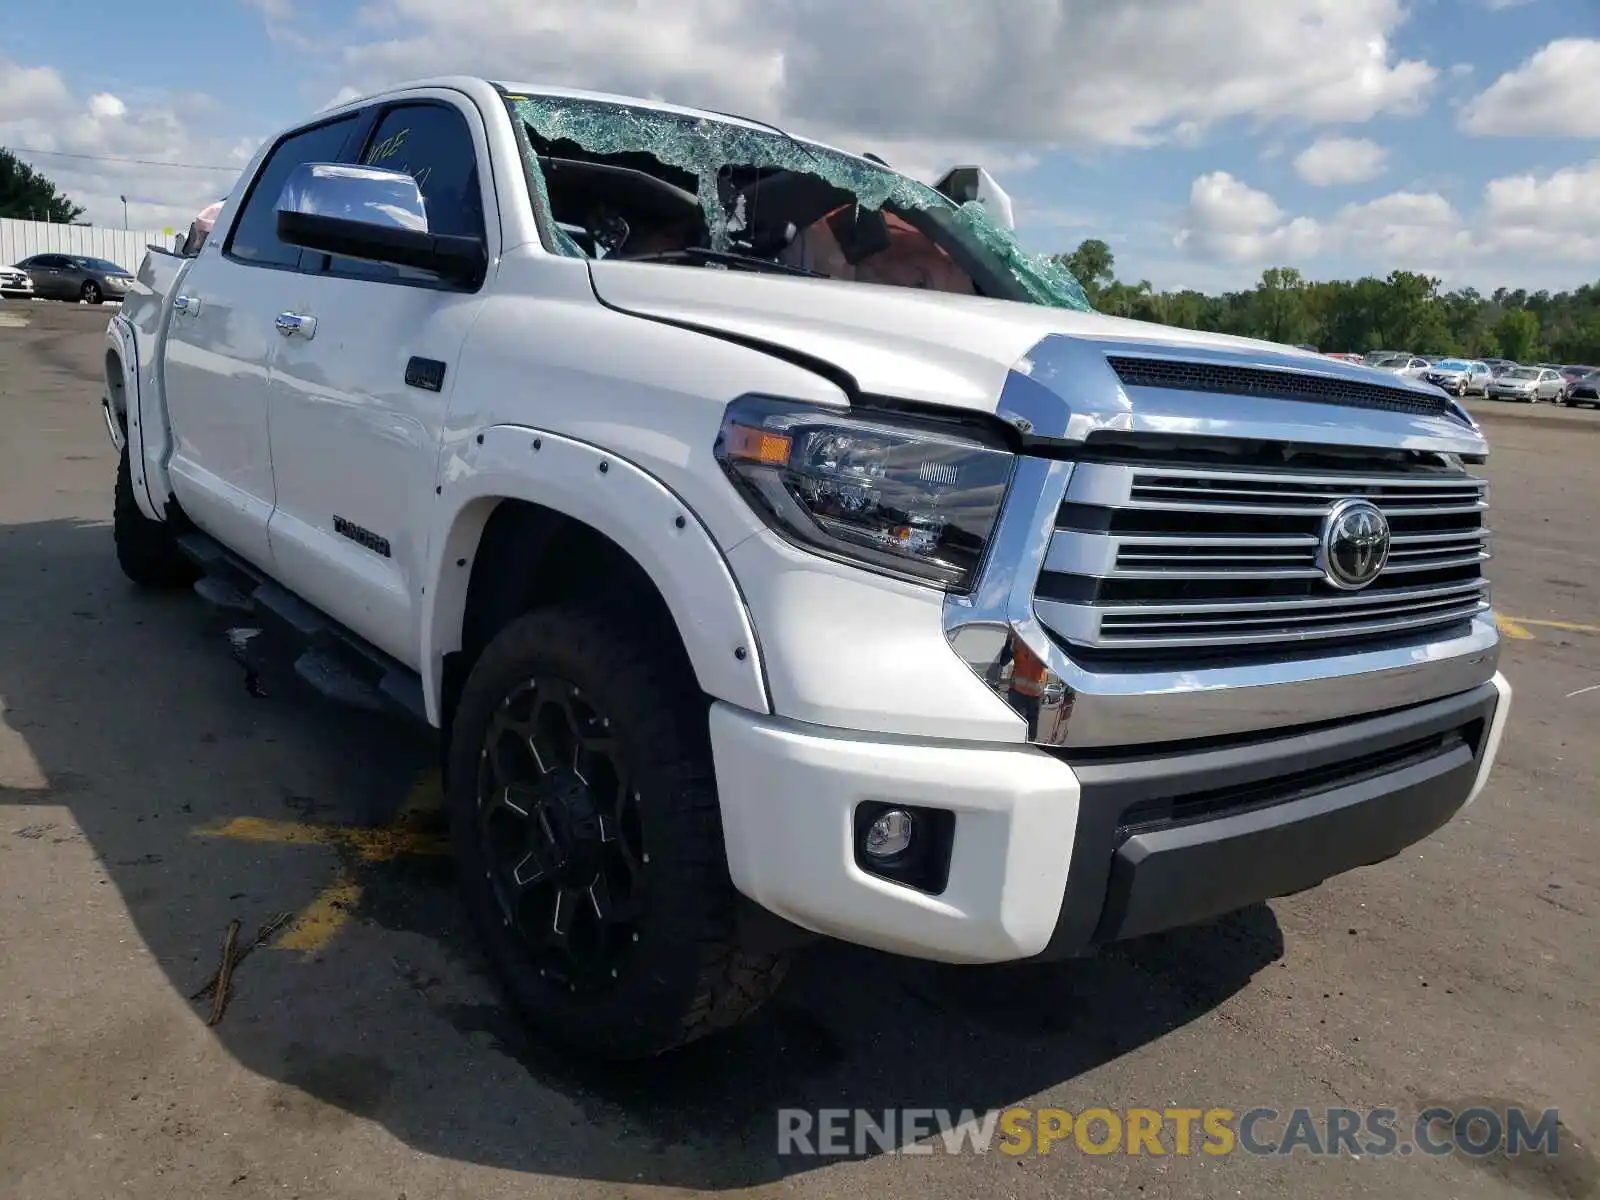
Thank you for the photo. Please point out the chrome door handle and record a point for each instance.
(186, 304)
(289, 324)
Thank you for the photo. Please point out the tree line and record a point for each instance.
(29, 196)
(1405, 311)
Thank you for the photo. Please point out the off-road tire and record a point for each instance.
(146, 549)
(688, 974)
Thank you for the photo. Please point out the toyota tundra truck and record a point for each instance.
(781, 551)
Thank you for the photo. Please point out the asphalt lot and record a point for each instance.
(147, 798)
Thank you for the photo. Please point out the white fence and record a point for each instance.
(22, 239)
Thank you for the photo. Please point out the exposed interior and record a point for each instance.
(648, 186)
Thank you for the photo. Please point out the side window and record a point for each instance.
(432, 143)
(255, 235)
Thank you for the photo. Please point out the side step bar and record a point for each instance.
(329, 658)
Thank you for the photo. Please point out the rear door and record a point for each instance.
(219, 349)
(359, 394)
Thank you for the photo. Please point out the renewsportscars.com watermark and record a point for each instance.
(1319, 1132)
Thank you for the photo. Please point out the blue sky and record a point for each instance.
(1177, 138)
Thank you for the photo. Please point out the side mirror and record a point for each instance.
(965, 185)
(371, 214)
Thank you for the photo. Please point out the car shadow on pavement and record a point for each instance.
(142, 725)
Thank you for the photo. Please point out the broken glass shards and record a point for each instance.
(705, 147)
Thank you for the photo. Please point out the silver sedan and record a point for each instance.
(1527, 384)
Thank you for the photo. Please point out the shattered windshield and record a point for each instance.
(635, 183)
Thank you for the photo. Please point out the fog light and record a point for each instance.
(889, 835)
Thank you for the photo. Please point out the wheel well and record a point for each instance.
(528, 557)
(115, 388)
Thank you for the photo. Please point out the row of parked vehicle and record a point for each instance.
(1571, 384)
(65, 277)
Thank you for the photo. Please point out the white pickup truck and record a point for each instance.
(781, 551)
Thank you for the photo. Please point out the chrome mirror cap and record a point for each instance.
(366, 195)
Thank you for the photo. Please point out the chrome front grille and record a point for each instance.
(1178, 558)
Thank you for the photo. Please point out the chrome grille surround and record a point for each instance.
(1168, 681)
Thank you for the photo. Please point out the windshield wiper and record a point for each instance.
(699, 254)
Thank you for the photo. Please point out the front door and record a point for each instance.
(360, 388)
(48, 272)
(219, 349)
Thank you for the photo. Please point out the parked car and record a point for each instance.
(1528, 384)
(1409, 365)
(1344, 356)
(15, 284)
(1571, 374)
(766, 559)
(1459, 376)
(74, 277)
(1499, 366)
(1373, 357)
(1583, 390)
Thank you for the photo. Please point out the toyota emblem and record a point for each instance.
(1355, 544)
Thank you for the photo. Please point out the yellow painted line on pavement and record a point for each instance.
(316, 925)
(1512, 629)
(1568, 626)
(370, 845)
(318, 922)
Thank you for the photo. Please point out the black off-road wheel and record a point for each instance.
(586, 832)
(146, 550)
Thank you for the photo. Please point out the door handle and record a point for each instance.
(291, 324)
(186, 304)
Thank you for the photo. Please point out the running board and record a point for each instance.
(329, 658)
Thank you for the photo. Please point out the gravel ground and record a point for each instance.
(376, 1061)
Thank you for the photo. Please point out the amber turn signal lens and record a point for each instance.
(758, 446)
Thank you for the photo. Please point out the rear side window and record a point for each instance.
(255, 236)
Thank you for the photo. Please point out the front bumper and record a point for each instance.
(1053, 854)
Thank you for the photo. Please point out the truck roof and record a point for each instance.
(480, 86)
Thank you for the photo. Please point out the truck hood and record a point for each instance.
(927, 346)
(1044, 369)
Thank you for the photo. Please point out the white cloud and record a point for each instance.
(1501, 5)
(1233, 222)
(1331, 161)
(75, 140)
(106, 107)
(1556, 92)
(1522, 220)
(1400, 228)
(1051, 72)
(1555, 217)
(30, 92)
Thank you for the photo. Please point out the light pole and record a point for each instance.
(124, 200)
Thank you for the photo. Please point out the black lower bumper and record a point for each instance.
(1178, 838)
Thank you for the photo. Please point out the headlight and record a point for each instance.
(898, 496)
